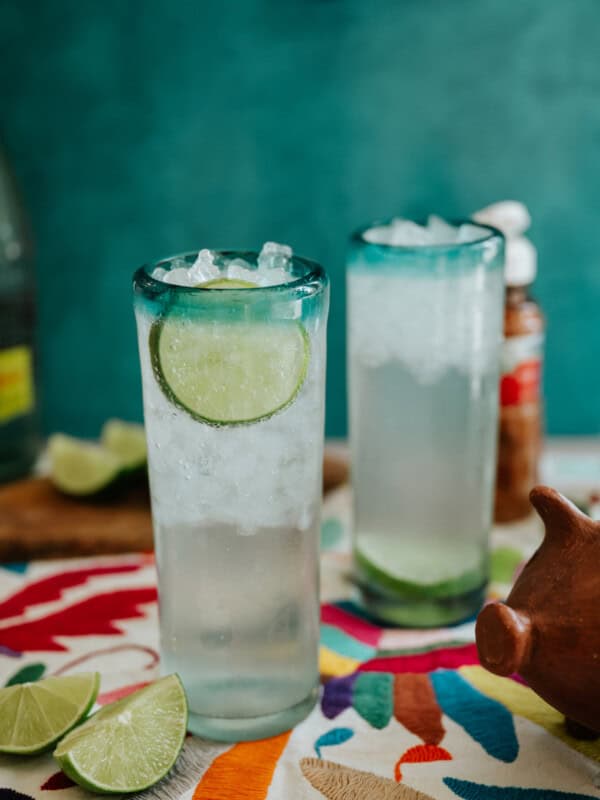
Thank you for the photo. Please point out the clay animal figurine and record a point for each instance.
(549, 628)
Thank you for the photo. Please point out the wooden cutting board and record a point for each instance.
(36, 521)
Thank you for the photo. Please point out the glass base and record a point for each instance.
(245, 729)
(434, 612)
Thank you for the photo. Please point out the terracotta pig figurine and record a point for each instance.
(549, 628)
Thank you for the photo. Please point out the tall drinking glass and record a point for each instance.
(424, 330)
(233, 384)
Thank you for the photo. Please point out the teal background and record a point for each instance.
(143, 128)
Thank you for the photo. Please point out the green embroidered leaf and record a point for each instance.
(28, 674)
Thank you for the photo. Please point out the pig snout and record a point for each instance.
(503, 637)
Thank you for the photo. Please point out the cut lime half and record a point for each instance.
(79, 467)
(127, 441)
(229, 373)
(128, 745)
(34, 716)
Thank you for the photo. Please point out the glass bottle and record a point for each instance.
(18, 420)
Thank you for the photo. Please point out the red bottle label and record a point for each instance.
(521, 370)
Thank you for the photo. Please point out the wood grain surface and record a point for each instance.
(37, 521)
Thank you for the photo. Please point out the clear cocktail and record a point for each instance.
(424, 329)
(233, 380)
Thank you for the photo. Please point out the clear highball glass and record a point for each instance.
(233, 385)
(424, 331)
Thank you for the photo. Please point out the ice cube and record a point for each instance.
(178, 277)
(399, 233)
(272, 277)
(203, 269)
(440, 231)
(274, 255)
(240, 270)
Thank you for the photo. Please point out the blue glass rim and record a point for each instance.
(358, 238)
(314, 276)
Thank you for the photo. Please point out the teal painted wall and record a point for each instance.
(139, 128)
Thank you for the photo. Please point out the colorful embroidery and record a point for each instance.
(337, 695)
(372, 698)
(332, 531)
(51, 588)
(379, 673)
(333, 737)
(485, 720)
(445, 657)
(117, 694)
(93, 616)
(416, 708)
(524, 702)
(333, 664)
(420, 754)
(153, 657)
(344, 644)
(194, 760)
(245, 771)
(477, 791)
(337, 782)
(18, 567)
(32, 672)
(354, 626)
(57, 781)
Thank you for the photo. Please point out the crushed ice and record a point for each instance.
(272, 268)
(406, 233)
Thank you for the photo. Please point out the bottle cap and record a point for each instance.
(510, 216)
(520, 266)
(513, 219)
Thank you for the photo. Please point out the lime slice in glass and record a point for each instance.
(226, 283)
(80, 467)
(34, 716)
(129, 745)
(228, 373)
(401, 572)
(126, 441)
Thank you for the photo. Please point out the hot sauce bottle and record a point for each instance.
(521, 402)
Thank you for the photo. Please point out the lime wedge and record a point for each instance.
(129, 745)
(226, 283)
(34, 716)
(126, 441)
(229, 373)
(79, 467)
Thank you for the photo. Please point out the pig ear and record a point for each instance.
(560, 516)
